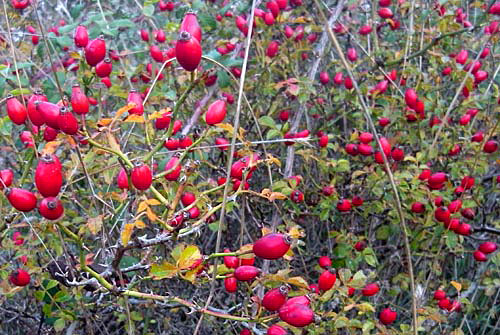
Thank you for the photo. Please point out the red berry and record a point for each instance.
(135, 98)
(144, 35)
(463, 229)
(411, 98)
(365, 138)
(385, 13)
(326, 280)
(324, 78)
(15, 110)
(51, 208)
(444, 303)
(468, 213)
(328, 190)
(272, 246)
(81, 36)
(95, 51)
(231, 284)
(163, 122)
(365, 149)
(397, 154)
(188, 51)
(6, 178)
(487, 247)
(297, 196)
(324, 262)
(20, 4)
(439, 295)
(352, 55)
(276, 330)
(174, 166)
(20, 278)
(490, 146)
(442, 214)
(79, 101)
(344, 205)
(122, 179)
(455, 206)
(231, 262)
(480, 256)
(190, 24)
(50, 134)
(141, 177)
(296, 315)
(246, 272)
(21, 199)
(462, 56)
(103, 68)
(360, 245)
(418, 207)
(216, 112)
(34, 115)
(387, 316)
(48, 176)
(273, 7)
(275, 298)
(370, 289)
(351, 149)
(67, 122)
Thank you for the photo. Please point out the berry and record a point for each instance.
(6, 178)
(190, 24)
(21, 199)
(67, 122)
(15, 110)
(187, 198)
(326, 280)
(344, 205)
(296, 315)
(48, 176)
(216, 112)
(246, 272)
(439, 295)
(387, 316)
(141, 177)
(231, 284)
(188, 51)
(370, 289)
(135, 98)
(275, 298)
(276, 330)
(480, 256)
(95, 51)
(487, 247)
(324, 262)
(231, 262)
(19, 278)
(79, 101)
(418, 207)
(81, 36)
(51, 208)
(173, 165)
(272, 246)
(122, 179)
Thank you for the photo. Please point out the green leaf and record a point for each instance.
(273, 133)
(223, 79)
(18, 91)
(59, 325)
(267, 121)
(148, 10)
(122, 23)
(342, 250)
(162, 271)
(207, 21)
(342, 165)
(383, 232)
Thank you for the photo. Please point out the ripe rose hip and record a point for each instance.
(95, 51)
(276, 330)
(79, 101)
(370, 289)
(487, 247)
(231, 262)
(15, 110)
(360, 245)
(216, 112)
(122, 179)
(231, 284)
(344, 205)
(246, 272)
(297, 315)
(326, 280)
(439, 295)
(188, 51)
(480, 256)
(272, 246)
(444, 303)
(174, 166)
(275, 298)
(20, 199)
(418, 207)
(387, 316)
(141, 177)
(135, 98)
(6, 178)
(490, 146)
(20, 277)
(51, 208)
(324, 262)
(48, 176)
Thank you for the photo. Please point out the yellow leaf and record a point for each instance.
(266, 231)
(124, 109)
(51, 147)
(151, 215)
(135, 118)
(143, 205)
(273, 160)
(298, 281)
(104, 122)
(153, 202)
(296, 232)
(190, 275)
(456, 285)
(140, 224)
(190, 255)
(161, 271)
(95, 224)
(158, 114)
(75, 55)
(365, 307)
(127, 233)
(226, 126)
(276, 195)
